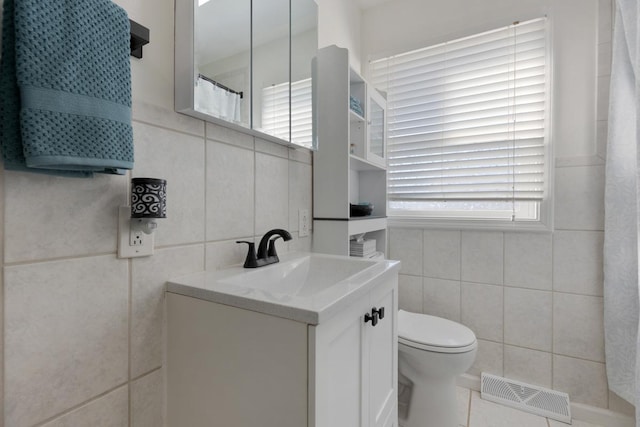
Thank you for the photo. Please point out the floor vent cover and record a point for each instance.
(526, 397)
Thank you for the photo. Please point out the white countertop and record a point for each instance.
(283, 290)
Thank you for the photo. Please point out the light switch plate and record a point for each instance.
(303, 222)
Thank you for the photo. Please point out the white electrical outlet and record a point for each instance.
(132, 242)
(303, 222)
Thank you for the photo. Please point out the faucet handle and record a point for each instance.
(251, 260)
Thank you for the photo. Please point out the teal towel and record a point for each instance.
(65, 87)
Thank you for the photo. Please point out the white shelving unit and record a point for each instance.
(350, 164)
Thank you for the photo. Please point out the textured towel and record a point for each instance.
(65, 87)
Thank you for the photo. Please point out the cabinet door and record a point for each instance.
(377, 128)
(382, 360)
(338, 377)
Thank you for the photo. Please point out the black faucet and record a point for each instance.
(266, 249)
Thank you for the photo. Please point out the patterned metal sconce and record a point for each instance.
(148, 203)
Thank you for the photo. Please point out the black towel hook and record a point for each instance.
(139, 37)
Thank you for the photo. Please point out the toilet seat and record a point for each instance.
(431, 333)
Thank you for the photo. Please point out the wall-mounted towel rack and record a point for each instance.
(139, 37)
(220, 85)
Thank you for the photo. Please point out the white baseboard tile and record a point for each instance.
(472, 382)
(579, 411)
(599, 416)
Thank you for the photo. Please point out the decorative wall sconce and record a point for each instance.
(148, 203)
(138, 221)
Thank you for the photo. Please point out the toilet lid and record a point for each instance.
(424, 331)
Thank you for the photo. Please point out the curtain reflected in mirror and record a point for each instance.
(222, 59)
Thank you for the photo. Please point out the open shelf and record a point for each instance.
(360, 164)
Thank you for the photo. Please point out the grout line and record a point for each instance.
(167, 128)
(469, 408)
(152, 371)
(422, 264)
(553, 302)
(79, 405)
(255, 182)
(206, 192)
(504, 302)
(129, 347)
(56, 259)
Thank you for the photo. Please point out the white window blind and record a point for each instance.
(466, 118)
(275, 111)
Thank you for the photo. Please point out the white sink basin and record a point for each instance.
(304, 286)
(304, 276)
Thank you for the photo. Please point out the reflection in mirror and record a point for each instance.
(246, 64)
(271, 67)
(222, 68)
(304, 46)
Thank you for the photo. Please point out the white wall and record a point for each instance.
(83, 329)
(534, 300)
(339, 24)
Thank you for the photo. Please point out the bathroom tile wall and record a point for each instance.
(82, 333)
(534, 300)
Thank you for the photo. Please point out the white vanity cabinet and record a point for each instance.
(234, 367)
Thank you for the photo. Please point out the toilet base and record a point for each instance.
(433, 404)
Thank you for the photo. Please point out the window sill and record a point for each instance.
(466, 224)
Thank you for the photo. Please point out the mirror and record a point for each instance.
(304, 46)
(246, 64)
(271, 38)
(222, 68)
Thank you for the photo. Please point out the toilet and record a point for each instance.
(432, 352)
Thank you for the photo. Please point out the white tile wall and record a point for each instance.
(272, 192)
(66, 335)
(147, 400)
(442, 298)
(524, 364)
(527, 318)
(489, 358)
(528, 260)
(577, 262)
(441, 254)
(230, 191)
(410, 293)
(51, 217)
(405, 244)
(182, 164)
(585, 381)
(482, 310)
(111, 410)
(482, 257)
(148, 278)
(579, 198)
(300, 193)
(578, 328)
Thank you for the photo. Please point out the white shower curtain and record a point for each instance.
(622, 209)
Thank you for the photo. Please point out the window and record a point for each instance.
(275, 112)
(468, 125)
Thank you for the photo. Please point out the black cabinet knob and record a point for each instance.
(373, 318)
(379, 311)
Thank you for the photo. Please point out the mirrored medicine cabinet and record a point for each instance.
(246, 64)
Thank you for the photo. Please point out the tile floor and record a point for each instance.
(475, 412)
